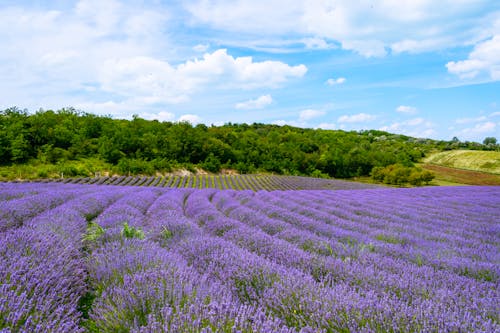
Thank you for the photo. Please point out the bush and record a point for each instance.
(135, 166)
(397, 174)
(211, 164)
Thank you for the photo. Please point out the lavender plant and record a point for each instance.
(99, 258)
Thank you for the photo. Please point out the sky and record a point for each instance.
(423, 68)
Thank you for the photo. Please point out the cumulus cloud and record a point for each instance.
(326, 126)
(240, 72)
(356, 118)
(406, 109)
(280, 122)
(479, 129)
(416, 127)
(162, 82)
(116, 109)
(484, 59)
(258, 103)
(190, 118)
(59, 54)
(117, 52)
(161, 116)
(310, 114)
(333, 82)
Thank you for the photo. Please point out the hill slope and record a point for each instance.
(485, 161)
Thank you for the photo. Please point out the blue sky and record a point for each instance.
(424, 68)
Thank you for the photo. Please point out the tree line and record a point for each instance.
(140, 146)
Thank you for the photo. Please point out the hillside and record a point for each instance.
(475, 160)
(71, 143)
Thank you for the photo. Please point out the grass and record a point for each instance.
(475, 160)
(71, 168)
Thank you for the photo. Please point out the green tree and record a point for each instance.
(19, 149)
(211, 163)
(490, 141)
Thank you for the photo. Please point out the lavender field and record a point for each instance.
(255, 182)
(93, 258)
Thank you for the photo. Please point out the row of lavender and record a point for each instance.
(223, 182)
(185, 260)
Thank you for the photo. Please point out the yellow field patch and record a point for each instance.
(477, 160)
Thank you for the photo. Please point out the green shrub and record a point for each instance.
(397, 174)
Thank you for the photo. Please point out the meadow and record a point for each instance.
(94, 258)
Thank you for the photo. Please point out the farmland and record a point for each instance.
(484, 161)
(222, 182)
(450, 176)
(94, 258)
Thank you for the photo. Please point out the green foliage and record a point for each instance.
(211, 163)
(490, 141)
(166, 233)
(144, 147)
(19, 149)
(398, 174)
(390, 239)
(135, 167)
(131, 232)
(94, 232)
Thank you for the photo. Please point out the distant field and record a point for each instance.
(485, 161)
(453, 176)
(222, 182)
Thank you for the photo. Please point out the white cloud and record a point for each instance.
(149, 78)
(479, 129)
(190, 118)
(367, 48)
(415, 121)
(369, 28)
(484, 59)
(332, 81)
(117, 109)
(416, 127)
(240, 72)
(327, 126)
(160, 116)
(470, 120)
(164, 83)
(356, 118)
(61, 53)
(201, 48)
(417, 46)
(315, 43)
(118, 53)
(268, 17)
(406, 109)
(280, 122)
(258, 103)
(310, 114)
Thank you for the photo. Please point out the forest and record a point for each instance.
(80, 144)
